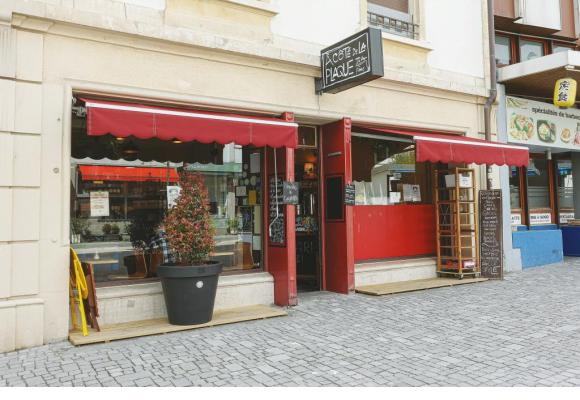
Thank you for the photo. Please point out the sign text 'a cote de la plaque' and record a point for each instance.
(351, 62)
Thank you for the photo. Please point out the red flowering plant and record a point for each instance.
(188, 224)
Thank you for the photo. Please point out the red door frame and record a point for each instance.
(336, 236)
(280, 259)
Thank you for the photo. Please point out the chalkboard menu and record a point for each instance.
(334, 198)
(276, 226)
(349, 194)
(290, 193)
(490, 234)
(351, 62)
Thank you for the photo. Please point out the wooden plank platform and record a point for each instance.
(411, 286)
(159, 326)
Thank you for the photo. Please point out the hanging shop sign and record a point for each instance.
(490, 234)
(565, 93)
(542, 124)
(351, 62)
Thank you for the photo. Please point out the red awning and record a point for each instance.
(146, 122)
(133, 174)
(436, 147)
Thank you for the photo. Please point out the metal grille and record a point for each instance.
(393, 25)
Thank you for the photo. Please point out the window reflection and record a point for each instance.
(118, 202)
(386, 173)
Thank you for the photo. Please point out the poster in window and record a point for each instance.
(173, 193)
(411, 193)
(254, 163)
(99, 204)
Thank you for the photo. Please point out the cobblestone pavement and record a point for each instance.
(524, 330)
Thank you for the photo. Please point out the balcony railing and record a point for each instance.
(393, 25)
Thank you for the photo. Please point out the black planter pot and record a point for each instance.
(189, 292)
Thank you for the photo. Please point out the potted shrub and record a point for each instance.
(189, 285)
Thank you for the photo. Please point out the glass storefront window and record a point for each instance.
(530, 50)
(119, 199)
(386, 173)
(539, 192)
(503, 51)
(515, 199)
(565, 190)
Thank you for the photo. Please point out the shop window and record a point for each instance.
(503, 50)
(539, 203)
(565, 191)
(121, 189)
(385, 172)
(515, 196)
(530, 49)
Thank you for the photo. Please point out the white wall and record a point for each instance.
(155, 4)
(455, 29)
(545, 13)
(316, 21)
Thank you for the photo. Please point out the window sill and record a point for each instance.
(420, 44)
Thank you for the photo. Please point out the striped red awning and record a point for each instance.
(146, 122)
(436, 147)
(131, 174)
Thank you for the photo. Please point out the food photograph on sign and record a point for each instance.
(532, 122)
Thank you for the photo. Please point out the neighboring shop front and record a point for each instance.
(543, 197)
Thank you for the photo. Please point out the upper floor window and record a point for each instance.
(393, 16)
(503, 50)
(557, 47)
(530, 49)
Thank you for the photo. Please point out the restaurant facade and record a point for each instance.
(100, 114)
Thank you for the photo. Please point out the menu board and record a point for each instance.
(535, 123)
(490, 234)
(349, 194)
(290, 193)
(276, 226)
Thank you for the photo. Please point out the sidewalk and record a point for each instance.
(521, 331)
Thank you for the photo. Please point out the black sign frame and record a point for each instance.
(491, 234)
(358, 58)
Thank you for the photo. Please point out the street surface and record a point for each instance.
(524, 330)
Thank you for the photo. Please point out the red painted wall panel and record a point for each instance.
(337, 236)
(393, 231)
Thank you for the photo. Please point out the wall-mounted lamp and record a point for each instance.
(176, 141)
(549, 154)
(308, 168)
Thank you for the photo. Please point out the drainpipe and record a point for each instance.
(493, 78)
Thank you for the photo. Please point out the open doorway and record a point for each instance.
(308, 250)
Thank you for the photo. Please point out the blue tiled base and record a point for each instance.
(571, 240)
(539, 246)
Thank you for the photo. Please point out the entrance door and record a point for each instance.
(337, 235)
(308, 254)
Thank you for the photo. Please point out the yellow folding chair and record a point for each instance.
(78, 282)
